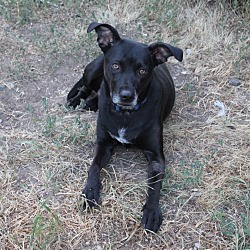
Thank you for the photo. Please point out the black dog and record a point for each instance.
(136, 93)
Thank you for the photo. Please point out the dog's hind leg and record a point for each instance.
(91, 80)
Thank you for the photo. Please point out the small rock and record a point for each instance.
(196, 246)
(10, 85)
(188, 51)
(221, 106)
(234, 82)
(248, 96)
(2, 87)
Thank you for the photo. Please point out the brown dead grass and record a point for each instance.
(44, 162)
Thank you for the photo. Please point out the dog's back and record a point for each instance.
(162, 76)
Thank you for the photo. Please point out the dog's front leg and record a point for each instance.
(92, 189)
(152, 216)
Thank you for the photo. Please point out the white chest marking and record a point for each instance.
(121, 135)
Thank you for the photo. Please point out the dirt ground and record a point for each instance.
(46, 149)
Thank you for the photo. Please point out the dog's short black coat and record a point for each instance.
(135, 94)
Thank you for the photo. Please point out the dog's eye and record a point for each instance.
(115, 66)
(142, 72)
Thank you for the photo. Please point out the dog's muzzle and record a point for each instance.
(135, 106)
(125, 99)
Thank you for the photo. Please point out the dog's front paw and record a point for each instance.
(73, 102)
(152, 218)
(90, 196)
(92, 104)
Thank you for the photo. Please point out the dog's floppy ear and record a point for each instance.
(160, 52)
(107, 35)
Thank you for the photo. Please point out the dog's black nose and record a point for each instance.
(126, 95)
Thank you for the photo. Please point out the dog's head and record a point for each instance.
(128, 65)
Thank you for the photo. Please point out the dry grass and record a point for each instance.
(45, 150)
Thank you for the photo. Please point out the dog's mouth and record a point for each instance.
(125, 106)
